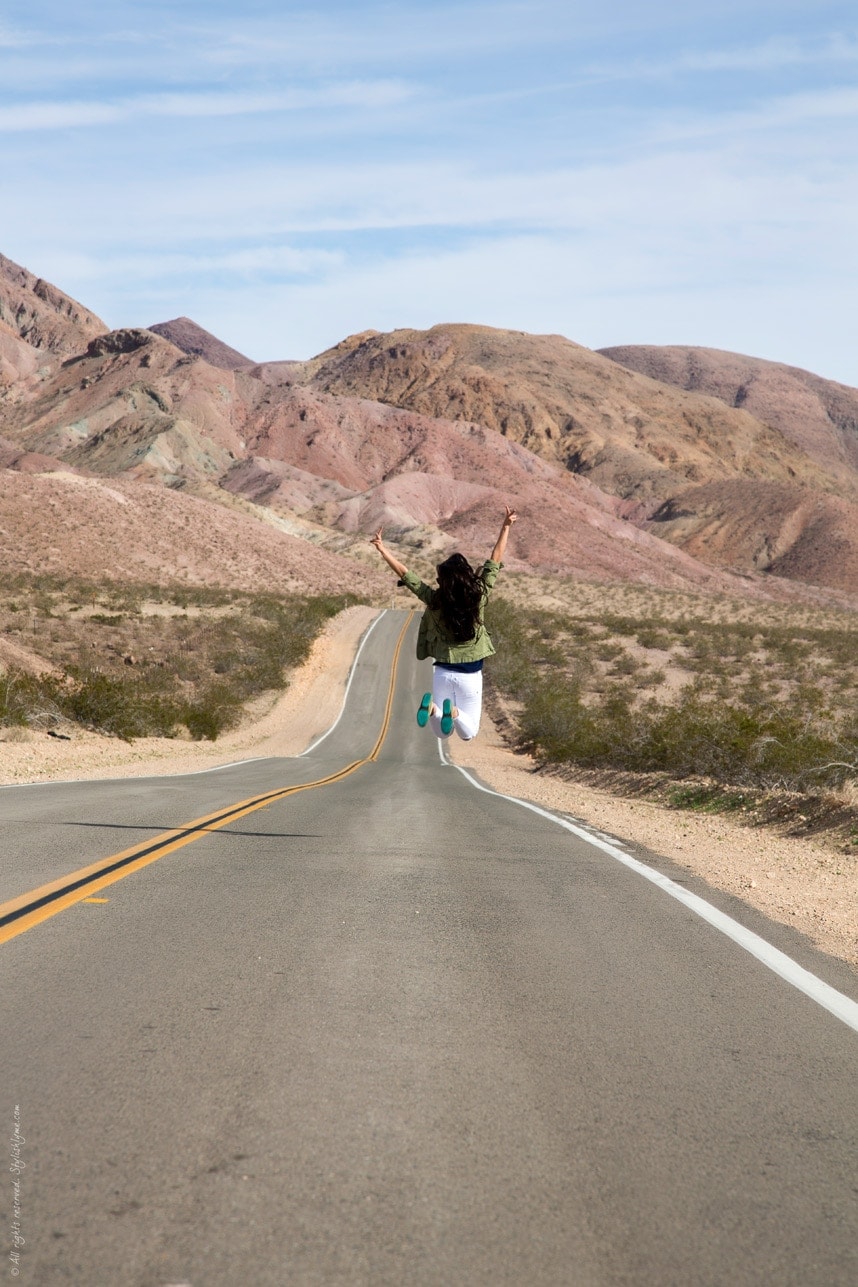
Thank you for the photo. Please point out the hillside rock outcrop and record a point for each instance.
(43, 316)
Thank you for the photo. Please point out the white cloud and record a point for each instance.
(777, 113)
(11, 39)
(596, 293)
(56, 116)
(66, 115)
(133, 269)
(773, 54)
(325, 170)
(724, 188)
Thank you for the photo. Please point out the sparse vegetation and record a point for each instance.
(149, 661)
(758, 703)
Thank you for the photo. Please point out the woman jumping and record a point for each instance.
(453, 633)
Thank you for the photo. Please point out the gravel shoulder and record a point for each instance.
(794, 881)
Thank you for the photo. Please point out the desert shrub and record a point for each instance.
(608, 651)
(212, 713)
(120, 706)
(25, 699)
(749, 743)
(709, 798)
(625, 664)
(210, 667)
(650, 637)
(621, 625)
(770, 729)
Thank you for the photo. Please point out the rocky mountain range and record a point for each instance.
(674, 467)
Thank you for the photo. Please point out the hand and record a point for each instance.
(376, 540)
(510, 517)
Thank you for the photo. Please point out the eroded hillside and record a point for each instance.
(617, 476)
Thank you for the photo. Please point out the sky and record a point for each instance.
(287, 174)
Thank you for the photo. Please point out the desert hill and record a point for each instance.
(786, 531)
(134, 406)
(198, 342)
(80, 406)
(818, 416)
(429, 433)
(43, 317)
(636, 443)
(131, 402)
(131, 532)
(633, 437)
(352, 465)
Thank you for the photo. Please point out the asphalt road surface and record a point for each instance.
(393, 1029)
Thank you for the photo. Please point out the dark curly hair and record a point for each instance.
(459, 597)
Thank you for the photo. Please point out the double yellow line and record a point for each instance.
(22, 913)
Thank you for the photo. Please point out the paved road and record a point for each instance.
(395, 1030)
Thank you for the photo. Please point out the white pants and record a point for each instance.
(464, 690)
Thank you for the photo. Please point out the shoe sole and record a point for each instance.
(423, 712)
(447, 718)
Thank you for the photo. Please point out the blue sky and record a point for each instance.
(287, 174)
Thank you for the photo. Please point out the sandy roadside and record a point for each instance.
(794, 881)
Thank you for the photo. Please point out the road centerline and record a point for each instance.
(27, 910)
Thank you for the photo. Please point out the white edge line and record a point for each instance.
(364, 638)
(843, 1007)
(192, 773)
(136, 777)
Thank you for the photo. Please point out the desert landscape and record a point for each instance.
(153, 477)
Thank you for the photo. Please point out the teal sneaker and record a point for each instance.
(423, 712)
(447, 718)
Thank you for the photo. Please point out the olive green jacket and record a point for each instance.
(433, 639)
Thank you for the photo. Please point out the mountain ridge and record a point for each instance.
(431, 433)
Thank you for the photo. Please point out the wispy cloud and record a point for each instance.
(253, 262)
(597, 291)
(775, 54)
(288, 173)
(11, 39)
(70, 114)
(776, 113)
(772, 55)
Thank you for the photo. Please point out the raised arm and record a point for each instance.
(500, 545)
(390, 559)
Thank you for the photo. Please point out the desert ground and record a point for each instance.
(799, 882)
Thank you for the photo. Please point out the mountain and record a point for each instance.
(132, 405)
(193, 339)
(88, 436)
(632, 436)
(668, 454)
(35, 312)
(785, 531)
(818, 416)
(617, 476)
